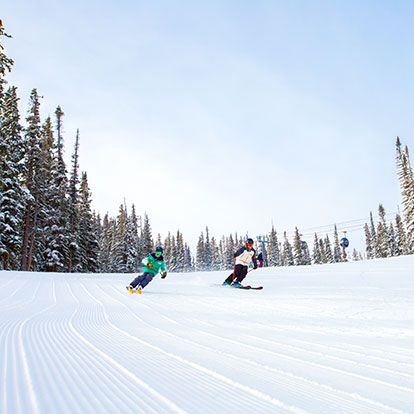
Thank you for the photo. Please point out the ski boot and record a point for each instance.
(236, 284)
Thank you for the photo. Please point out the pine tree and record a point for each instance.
(119, 247)
(49, 248)
(297, 248)
(401, 239)
(369, 248)
(222, 253)
(328, 250)
(382, 235)
(32, 160)
(168, 251)
(180, 252)
(322, 250)
(215, 260)
(287, 252)
(406, 179)
(230, 249)
(200, 254)
(317, 259)
(132, 242)
(273, 249)
(88, 243)
(392, 241)
(12, 195)
(208, 254)
(70, 205)
(105, 243)
(188, 262)
(173, 259)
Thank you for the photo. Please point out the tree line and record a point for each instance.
(46, 221)
(396, 238)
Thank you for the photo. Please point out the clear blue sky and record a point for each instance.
(231, 114)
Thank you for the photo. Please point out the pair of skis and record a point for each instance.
(248, 287)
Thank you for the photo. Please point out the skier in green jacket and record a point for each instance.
(153, 264)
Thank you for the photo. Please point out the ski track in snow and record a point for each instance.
(320, 339)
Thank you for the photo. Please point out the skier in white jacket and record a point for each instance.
(242, 259)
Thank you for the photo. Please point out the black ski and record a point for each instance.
(248, 287)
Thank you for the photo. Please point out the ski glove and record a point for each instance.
(163, 275)
(149, 265)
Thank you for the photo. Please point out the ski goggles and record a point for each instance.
(250, 244)
(158, 254)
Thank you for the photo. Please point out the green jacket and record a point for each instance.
(154, 265)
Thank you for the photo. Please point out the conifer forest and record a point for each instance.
(47, 222)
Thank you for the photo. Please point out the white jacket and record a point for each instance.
(244, 256)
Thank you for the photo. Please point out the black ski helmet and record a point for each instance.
(249, 241)
(159, 249)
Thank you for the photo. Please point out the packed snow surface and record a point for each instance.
(317, 339)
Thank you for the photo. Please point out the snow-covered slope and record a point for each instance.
(319, 339)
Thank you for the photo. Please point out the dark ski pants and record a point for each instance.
(142, 280)
(238, 275)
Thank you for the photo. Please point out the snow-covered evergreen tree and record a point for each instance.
(173, 260)
(317, 259)
(12, 195)
(180, 252)
(369, 248)
(50, 243)
(287, 252)
(215, 255)
(400, 236)
(119, 246)
(32, 159)
(132, 242)
(188, 260)
(168, 251)
(405, 175)
(71, 204)
(328, 250)
(322, 251)
(297, 249)
(392, 241)
(382, 247)
(88, 243)
(208, 253)
(200, 254)
(105, 243)
(230, 249)
(273, 249)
